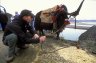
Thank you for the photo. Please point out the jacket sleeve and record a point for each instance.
(22, 36)
(30, 29)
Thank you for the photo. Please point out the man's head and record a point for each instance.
(26, 15)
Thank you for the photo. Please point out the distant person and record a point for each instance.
(16, 15)
(18, 33)
(3, 20)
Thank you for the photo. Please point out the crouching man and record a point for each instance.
(18, 33)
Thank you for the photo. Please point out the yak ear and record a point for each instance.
(66, 22)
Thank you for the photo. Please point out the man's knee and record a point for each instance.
(11, 39)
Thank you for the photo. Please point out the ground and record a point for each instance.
(52, 51)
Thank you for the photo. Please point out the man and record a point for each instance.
(18, 33)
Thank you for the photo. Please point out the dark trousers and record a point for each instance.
(11, 41)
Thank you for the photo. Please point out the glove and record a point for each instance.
(36, 36)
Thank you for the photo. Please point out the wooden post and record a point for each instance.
(75, 22)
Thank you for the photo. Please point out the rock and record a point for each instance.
(87, 40)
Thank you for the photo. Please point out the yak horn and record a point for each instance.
(77, 11)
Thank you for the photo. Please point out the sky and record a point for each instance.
(88, 10)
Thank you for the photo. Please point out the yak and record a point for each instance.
(55, 18)
(52, 19)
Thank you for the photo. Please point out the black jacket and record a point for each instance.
(20, 27)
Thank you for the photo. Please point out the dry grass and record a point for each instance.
(53, 51)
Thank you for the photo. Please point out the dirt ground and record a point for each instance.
(52, 51)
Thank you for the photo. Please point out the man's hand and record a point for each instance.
(36, 36)
(42, 39)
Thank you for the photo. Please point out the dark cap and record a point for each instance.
(25, 13)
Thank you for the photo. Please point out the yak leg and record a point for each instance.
(58, 36)
(42, 32)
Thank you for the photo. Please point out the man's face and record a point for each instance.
(27, 18)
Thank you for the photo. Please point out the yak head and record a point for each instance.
(60, 17)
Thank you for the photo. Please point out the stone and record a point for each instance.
(87, 40)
